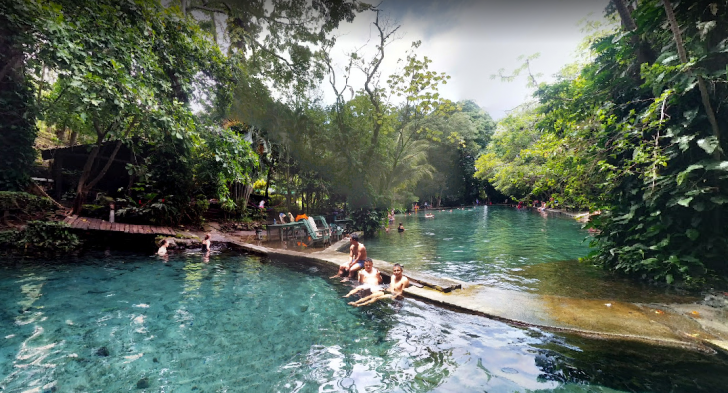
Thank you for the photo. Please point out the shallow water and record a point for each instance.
(244, 324)
(517, 249)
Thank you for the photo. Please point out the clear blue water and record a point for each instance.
(508, 248)
(486, 244)
(122, 322)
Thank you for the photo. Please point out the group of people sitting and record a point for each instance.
(371, 287)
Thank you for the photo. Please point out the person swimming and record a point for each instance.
(400, 228)
(163, 248)
(206, 243)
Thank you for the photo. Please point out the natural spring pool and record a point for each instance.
(121, 322)
(508, 248)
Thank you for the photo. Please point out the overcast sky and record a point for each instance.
(472, 39)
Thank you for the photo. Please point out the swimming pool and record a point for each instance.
(124, 322)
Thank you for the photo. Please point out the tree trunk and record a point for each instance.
(58, 176)
(701, 82)
(84, 186)
(268, 177)
(643, 50)
(72, 140)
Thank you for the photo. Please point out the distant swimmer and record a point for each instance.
(163, 248)
(429, 215)
(369, 278)
(396, 288)
(400, 228)
(206, 243)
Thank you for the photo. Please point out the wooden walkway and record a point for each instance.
(95, 224)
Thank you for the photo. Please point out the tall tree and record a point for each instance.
(128, 70)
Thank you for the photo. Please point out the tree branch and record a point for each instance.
(113, 155)
(207, 9)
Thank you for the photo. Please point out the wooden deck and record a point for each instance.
(95, 224)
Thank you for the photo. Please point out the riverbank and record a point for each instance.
(698, 325)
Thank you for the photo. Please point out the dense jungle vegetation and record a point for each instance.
(224, 99)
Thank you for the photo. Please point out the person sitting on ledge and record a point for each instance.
(369, 278)
(396, 288)
(357, 256)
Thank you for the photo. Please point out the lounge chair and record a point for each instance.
(317, 235)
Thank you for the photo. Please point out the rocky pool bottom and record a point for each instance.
(124, 322)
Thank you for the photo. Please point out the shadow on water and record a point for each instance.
(120, 322)
(579, 280)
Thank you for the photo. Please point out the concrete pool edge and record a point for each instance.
(585, 317)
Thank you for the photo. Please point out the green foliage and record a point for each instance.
(138, 93)
(10, 238)
(667, 170)
(630, 134)
(17, 126)
(149, 207)
(225, 158)
(368, 221)
(48, 236)
(24, 202)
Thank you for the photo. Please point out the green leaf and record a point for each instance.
(708, 144)
(685, 201)
(692, 234)
(669, 278)
(719, 200)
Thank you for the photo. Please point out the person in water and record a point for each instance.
(400, 228)
(357, 256)
(206, 243)
(396, 288)
(163, 248)
(369, 279)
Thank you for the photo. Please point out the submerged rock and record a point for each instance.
(142, 383)
(103, 352)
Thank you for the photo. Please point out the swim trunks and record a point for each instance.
(360, 263)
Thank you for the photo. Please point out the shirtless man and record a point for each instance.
(369, 278)
(396, 287)
(357, 255)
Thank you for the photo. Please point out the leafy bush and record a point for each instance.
(9, 238)
(24, 202)
(48, 236)
(368, 221)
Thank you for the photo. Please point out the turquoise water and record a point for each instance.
(482, 245)
(508, 248)
(121, 322)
